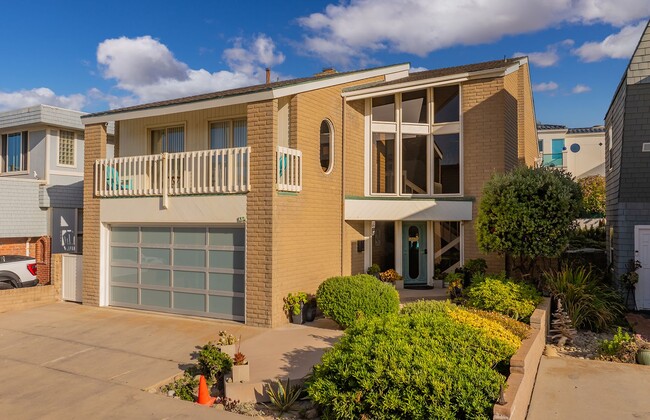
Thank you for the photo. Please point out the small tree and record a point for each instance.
(593, 196)
(528, 213)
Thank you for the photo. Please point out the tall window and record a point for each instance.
(168, 140)
(227, 134)
(66, 148)
(326, 146)
(14, 152)
(383, 163)
(446, 177)
(383, 108)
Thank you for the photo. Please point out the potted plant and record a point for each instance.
(226, 343)
(392, 276)
(643, 353)
(455, 288)
(374, 270)
(240, 368)
(294, 306)
(438, 279)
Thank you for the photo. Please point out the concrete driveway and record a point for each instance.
(70, 361)
(568, 388)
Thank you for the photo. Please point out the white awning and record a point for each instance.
(378, 209)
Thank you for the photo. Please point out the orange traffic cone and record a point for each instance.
(204, 394)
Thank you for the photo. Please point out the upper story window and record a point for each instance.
(540, 146)
(419, 153)
(14, 152)
(168, 140)
(326, 146)
(66, 148)
(228, 134)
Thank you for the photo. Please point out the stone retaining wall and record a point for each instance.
(523, 367)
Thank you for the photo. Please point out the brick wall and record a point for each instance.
(38, 248)
(95, 148)
(27, 297)
(18, 246)
(43, 259)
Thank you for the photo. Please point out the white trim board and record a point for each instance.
(360, 209)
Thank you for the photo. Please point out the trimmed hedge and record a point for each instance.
(347, 298)
(434, 360)
(516, 300)
(518, 328)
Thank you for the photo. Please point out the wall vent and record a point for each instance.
(646, 147)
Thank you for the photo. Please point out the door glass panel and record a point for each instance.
(189, 258)
(220, 135)
(383, 245)
(414, 252)
(414, 107)
(189, 279)
(227, 237)
(189, 301)
(127, 235)
(227, 259)
(155, 256)
(383, 108)
(14, 152)
(446, 104)
(240, 132)
(124, 295)
(383, 163)
(446, 155)
(156, 235)
(124, 255)
(155, 277)
(124, 274)
(227, 282)
(446, 242)
(156, 298)
(189, 236)
(227, 305)
(414, 164)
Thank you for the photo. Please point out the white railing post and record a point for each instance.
(165, 181)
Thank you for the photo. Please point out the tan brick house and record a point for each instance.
(220, 204)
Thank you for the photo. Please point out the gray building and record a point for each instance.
(627, 168)
(41, 178)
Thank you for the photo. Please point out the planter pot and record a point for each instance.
(643, 357)
(309, 311)
(240, 373)
(298, 319)
(399, 284)
(230, 349)
(445, 284)
(437, 284)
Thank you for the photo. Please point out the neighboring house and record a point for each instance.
(41, 180)
(219, 205)
(627, 139)
(579, 151)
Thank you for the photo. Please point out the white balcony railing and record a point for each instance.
(288, 174)
(217, 171)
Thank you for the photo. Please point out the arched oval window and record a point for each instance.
(326, 146)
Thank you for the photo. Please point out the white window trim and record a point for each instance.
(332, 145)
(24, 157)
(74, 149)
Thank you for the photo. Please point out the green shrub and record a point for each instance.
(345, 299)
(213, 363)
(475, 266)
(517, 300)
(590, 304)
(183, 387)
(421, 364)
(518, 328)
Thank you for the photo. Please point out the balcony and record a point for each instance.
(553, 160)
(216, 171)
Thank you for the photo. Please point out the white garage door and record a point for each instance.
(184, 270)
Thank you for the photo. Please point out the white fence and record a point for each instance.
(289, 169)
(216, 171)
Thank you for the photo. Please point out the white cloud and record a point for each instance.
(350, 31)
(24, 98)
(146, 69)
(580, 88)
(545, 86)
(618, 45)
(547, 58)
(417, 69)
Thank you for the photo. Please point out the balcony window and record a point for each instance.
(14, 152)
(414, 164)
(326, 146)
(227, 134)
(414, 107)
(168, 140)
(383, 163)
(446, 164)
(383, 108)
(446, 104)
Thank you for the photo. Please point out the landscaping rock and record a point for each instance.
(550, 351)
(170, 393)
(311, 414)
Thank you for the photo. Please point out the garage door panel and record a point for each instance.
(185, 270)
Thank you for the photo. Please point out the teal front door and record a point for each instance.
(414, 252)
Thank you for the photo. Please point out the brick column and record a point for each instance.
(95, 148)
(43, 259)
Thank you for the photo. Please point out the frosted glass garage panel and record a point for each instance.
(189, 301)
(156, 298)
(189, 279)
(234, 260)
(227, 237)
(154, 277)
(124, 274)
(155, 256)
(124, 295)
(156, 235)
(124, 255)
(227, 305)
(189, 258)
(124, 234)
(227, 282)
(189, 236)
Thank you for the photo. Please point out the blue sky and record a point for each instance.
(78, 55)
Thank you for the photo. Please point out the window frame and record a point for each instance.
(74, 150)
(398, 128)
(330, 126)
(231, 130)
(24, 153)
(166, 126)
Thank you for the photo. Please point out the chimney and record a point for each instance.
(268, 75)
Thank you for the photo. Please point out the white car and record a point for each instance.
(17, 271)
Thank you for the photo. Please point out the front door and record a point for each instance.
(414, 252)
(642, 247)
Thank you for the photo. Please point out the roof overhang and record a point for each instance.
(426, 209)
(389, 72)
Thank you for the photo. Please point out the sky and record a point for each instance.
(91, 57)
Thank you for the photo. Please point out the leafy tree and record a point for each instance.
(528, 213)
(593, 195)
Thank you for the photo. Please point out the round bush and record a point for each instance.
(345, 299)
(517, 300)
(422, 364)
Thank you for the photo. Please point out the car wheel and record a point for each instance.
(4, 285)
